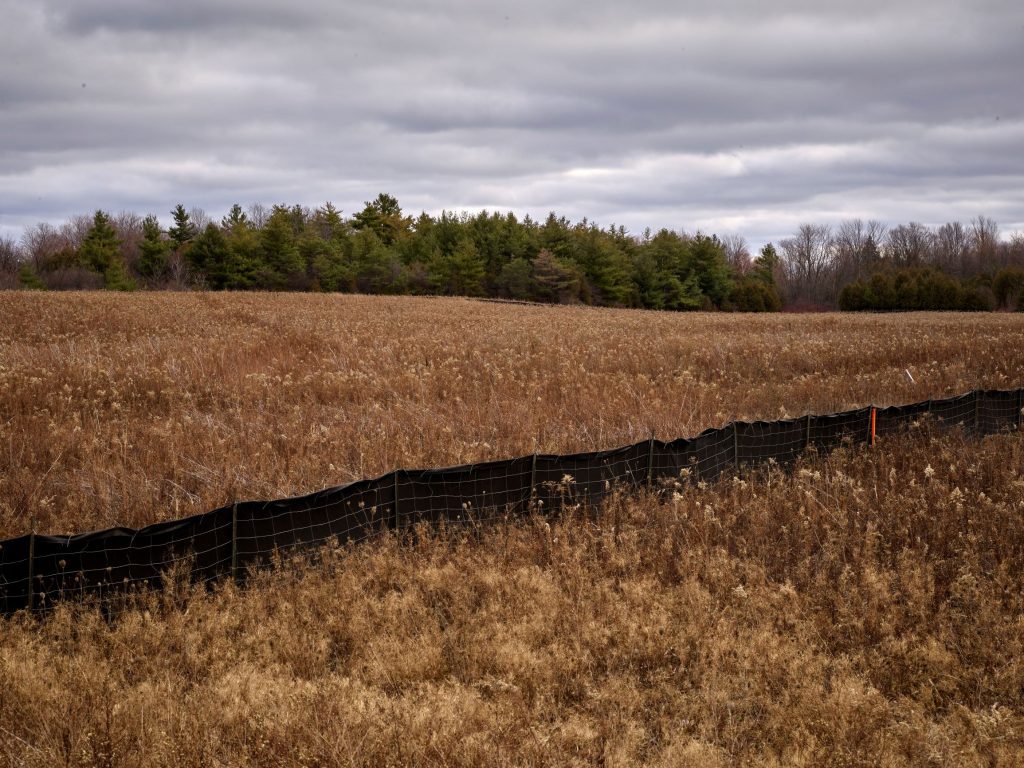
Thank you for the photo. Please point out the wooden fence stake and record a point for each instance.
(533, 475)
(398, 519)
(736, 445)
(650, 462)
(31, 566)
(234, 542)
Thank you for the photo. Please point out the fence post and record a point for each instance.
(533, 476)
(32, 564)
(807, 433)
(977, 408)
(871, 431)
(234, 541)
(398, 519)
(736, 445)
(1020, 405)
(650, 462)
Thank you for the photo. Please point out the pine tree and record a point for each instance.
(116, 277)
(460, 273)
(153, 250)
(235, 218)
(515, 281)
(708, 264)
(101, 247)
(611, 274)
(554, 281)
(281, 264)
(384, 218)
(211, 256)
(183, 231)
(28, 278)
(766, 264)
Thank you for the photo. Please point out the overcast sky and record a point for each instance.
(731, 117)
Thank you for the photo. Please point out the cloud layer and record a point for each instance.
(725, 117)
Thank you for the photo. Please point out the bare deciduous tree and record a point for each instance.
(909, 245)
(952, 251)
(737, 253)
(41, 243)
(856, 250)
(10, 254)
(128, 226)
(258, 215)
(10, 262)
(1015, 250)
(985, 243)
(806, 263)
(199, 218)
(75, 229)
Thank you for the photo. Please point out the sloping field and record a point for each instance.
(864, 610)
(125, 410)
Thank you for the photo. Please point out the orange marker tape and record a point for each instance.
(873, 411)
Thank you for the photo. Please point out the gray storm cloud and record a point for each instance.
(723, 117)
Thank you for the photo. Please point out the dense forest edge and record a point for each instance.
(379, 250)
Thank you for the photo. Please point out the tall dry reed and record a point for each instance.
(865, 610)
(125, 410)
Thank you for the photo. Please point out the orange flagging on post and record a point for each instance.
(873, 411)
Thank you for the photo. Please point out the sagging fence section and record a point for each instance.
(36, 571)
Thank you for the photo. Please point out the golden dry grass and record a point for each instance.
(865, 610)
(125, 410)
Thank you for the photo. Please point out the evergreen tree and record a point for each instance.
(328, 223)
(611, 274)
(116, 277)
(750, 294)
(460, 273)
(101, 246)
(183, 231)
(553, 281)
(243, 243)
(236, 218)
(766, 264)
(1008, 287)
(707, 262)
(665, 278)
(211, 255)
(556, 236)
(515, 281)
(28, 278)
(377, 268)
(281, 264)
(765, 267)
(384, 218)
(331, 266)
(153, 249)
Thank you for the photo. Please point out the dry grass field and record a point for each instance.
(867, 609)
(120, 410)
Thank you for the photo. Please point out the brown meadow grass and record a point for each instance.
(864, 609)
(126, 410)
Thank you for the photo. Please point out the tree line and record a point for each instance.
(380, 249)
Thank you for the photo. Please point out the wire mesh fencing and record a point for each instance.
(36, 571)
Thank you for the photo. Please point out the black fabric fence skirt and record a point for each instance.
(36, 571)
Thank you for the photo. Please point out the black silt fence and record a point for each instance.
(348, 513)
(37, 571)
(462, 494)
